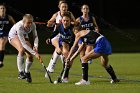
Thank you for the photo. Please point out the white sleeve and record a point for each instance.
(35, 36)
(23, 42)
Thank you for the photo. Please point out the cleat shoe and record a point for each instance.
(114, 81)
(82, 82)
(28, 77)
(21, 75)
(65, 80)
(51, 68)
(46, 74)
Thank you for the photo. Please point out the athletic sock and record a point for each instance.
(85, 71)
(20, 63)
(55, 57)
(1, 55)
(27, 66)
(111, 72)
(53, 60)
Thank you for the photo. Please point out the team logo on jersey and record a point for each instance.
(87, 25)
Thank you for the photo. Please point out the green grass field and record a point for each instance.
(125, 65)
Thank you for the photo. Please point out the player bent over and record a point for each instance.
(65, 40)
(102, 48)
(18, 38)
(57, 19)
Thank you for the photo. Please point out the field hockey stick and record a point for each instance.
(41, 61)
(62, 74)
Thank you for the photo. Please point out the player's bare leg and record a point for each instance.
(3, 41)
(109, 68)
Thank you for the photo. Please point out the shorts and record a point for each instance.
(56, 37)
(102, 46)
(80, 41)
(61, 41)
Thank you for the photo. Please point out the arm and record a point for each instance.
(23, 42)
(35, 37)
(78, 20)
(54, 33)
(11, 19)
(51, 22)
(96, 26)
(48, 41)
(74, 45)
(77, 52)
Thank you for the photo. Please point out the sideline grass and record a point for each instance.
(126, 67)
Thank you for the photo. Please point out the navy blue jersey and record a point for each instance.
(90, 38)
(66, 35)
(5, 26)
(87, 24)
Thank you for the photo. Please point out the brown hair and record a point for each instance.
(67, 14)
(61, 1)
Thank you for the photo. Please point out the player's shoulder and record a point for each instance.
(78, 19)
(56, 13)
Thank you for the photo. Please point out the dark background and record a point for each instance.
(122, 13)
(119, 20)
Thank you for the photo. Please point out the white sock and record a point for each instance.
(55, 57)
(62, 58)
(28, 65)
(20, 63)
(50, 64)
(53, 60)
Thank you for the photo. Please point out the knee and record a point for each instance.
(30, 58)
(58, 50)
(65, 53)
(84, 59)
(104, 64)
(21, 51)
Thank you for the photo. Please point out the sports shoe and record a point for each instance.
(28, 77)
(65, 80)
(21, 75)
(114, 81)
(50, 68)
(82, 82)
(46, 74)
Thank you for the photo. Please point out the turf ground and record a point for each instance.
(125, 65)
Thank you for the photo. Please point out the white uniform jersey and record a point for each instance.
(19, 30)
(58, 18)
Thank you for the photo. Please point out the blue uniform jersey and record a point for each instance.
(5, 26)
(66, 35)
(101, 44)
(90, 38)
(87, 24)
